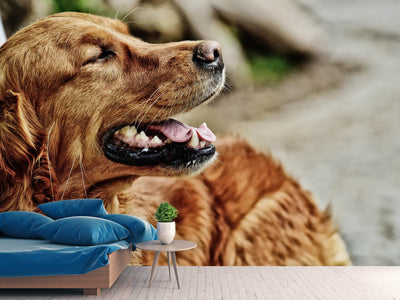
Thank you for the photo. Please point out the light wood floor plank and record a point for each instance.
(240, 283)
(209, 292)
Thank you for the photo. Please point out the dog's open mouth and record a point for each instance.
(171, 143)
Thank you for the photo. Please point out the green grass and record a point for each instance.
(85, 6)
(269, 68)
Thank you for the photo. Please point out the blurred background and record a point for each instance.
(316, 82)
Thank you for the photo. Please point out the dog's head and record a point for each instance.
(103, 100)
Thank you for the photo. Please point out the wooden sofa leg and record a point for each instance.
(91, 291)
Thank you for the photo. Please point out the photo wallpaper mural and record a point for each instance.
(273, 137)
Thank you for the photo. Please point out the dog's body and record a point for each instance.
(71, 83)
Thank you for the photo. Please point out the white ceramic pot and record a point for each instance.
(166, 232)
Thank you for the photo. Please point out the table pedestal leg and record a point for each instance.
(175, 268)
(153, 268)
(169, 264)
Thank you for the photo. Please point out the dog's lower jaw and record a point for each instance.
(196, 168)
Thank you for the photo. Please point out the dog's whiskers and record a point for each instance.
(183, 91)
(130, 22)
(144, 103)
(186, 192)
(49, 162)
(87, 177)
(172, 107)
(83, 179)
(69, 175)
(155, 116)
(227, 86)
(117, 12)
(138, 105)
(218, 161)
(174, 104)
(145, 113)
(132, 11)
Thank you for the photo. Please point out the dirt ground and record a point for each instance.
(335, 124)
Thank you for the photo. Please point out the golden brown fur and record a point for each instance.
(56, 104)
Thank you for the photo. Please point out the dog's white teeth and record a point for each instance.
(145, 149)
(123, 130)
(133, 129)
(142, 136)
(128, 131)
(194, 141)
(156, 140)
(202, 144)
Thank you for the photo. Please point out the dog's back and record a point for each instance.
(244, 210)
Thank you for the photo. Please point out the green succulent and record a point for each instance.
(166, 212)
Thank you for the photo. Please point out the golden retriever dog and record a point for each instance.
(86, 110)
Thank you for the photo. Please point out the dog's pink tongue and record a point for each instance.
(205, 133)
(180, 132)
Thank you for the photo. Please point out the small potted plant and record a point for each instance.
(165, 215)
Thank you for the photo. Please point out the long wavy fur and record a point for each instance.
(24, 166)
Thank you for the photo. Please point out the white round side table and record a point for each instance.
(157, 247)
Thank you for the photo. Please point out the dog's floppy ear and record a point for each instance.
(26, 177)
(22, 136)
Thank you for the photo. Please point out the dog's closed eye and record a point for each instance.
(101, 56)
(106, 53)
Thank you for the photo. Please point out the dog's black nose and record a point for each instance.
(208, 55)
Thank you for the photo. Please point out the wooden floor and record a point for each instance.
(242, 283)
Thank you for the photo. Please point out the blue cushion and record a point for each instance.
(140, 230)
(22, 224)
(75, 207)
(82, 231)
